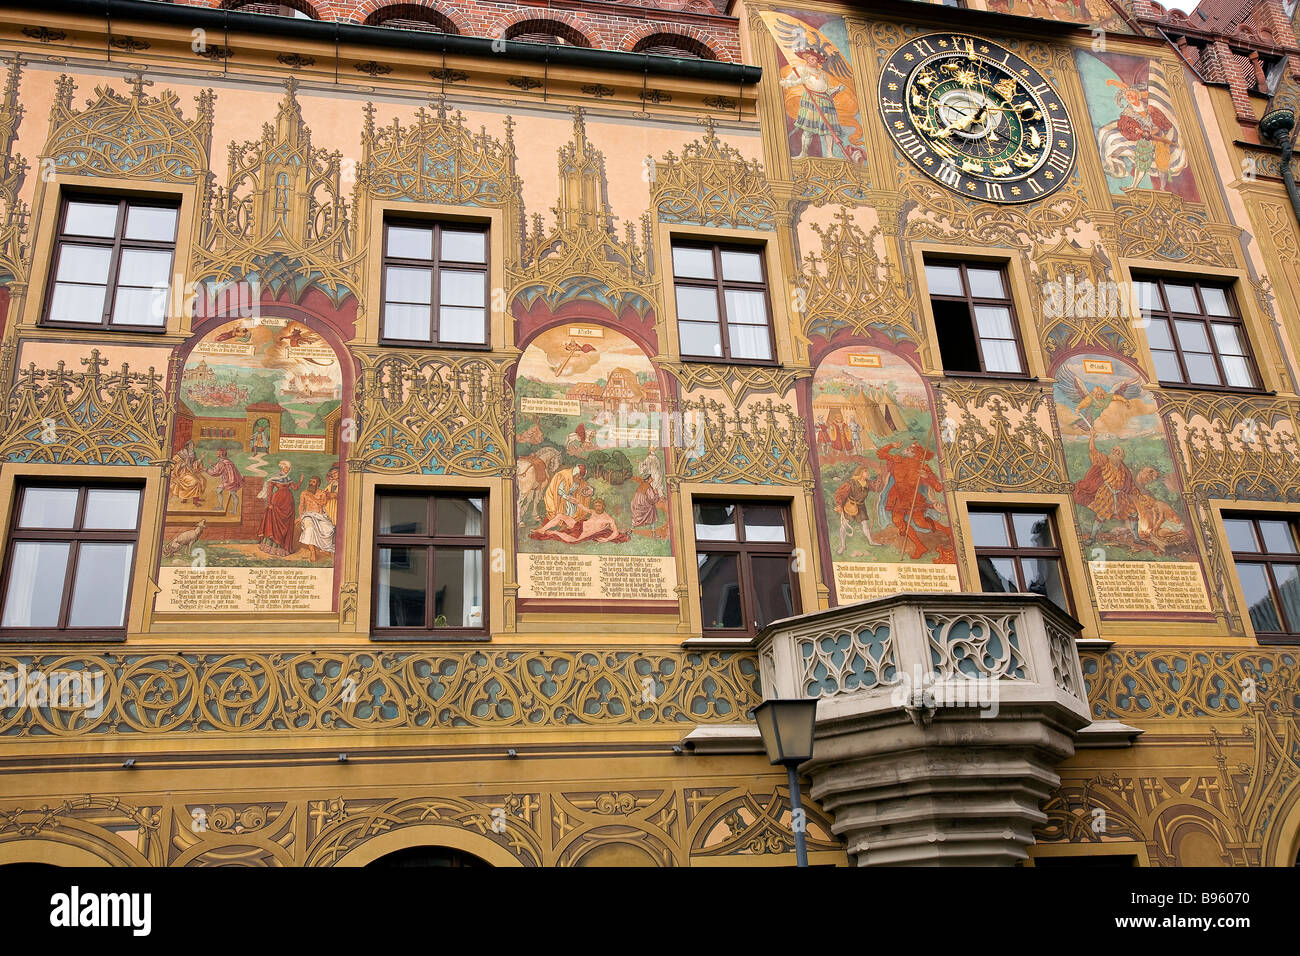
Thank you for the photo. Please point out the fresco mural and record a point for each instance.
(1135, 123)
(877, 455)
(254, 478)
(821, 97)
(592, 498)
(1075, 11)
(1133, 525)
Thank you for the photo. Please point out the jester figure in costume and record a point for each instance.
(1149, 130)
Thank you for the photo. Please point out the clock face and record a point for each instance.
(976, 118)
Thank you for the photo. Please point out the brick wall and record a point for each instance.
(605, 24)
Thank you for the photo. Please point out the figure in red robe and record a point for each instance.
(906, 502)
(279, 523)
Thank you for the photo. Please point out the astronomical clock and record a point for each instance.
(977, 118)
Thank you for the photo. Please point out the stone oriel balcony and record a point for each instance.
(940, 721)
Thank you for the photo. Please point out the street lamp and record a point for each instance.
(787, 727)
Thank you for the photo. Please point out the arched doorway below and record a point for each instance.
(430, 856)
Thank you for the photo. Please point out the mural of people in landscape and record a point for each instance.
(820, 95)
(257, 438)
(1135, 124)
(590, 467)
(876, 448)
(1125, 486)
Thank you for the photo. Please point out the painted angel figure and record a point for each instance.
(816, 63)
(1090, 401)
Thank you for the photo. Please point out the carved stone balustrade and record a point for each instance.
(940, 721)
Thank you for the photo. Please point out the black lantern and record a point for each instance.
(787, 727)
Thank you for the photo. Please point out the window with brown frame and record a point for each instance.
(435, 284)
(69, 560)
(430, 565)
(723, 314)
(745, 558)
(1017, 550)
(112, 264)
(1196, 334)
(1264, 549)
(975, 318)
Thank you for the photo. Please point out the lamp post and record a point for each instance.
(787, 727)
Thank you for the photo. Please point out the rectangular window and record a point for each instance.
(1196, 334)
(745, 558)
(1018, 551)
(975, 318)
(112, 265)
(435, 284)
(1268, 566)
(69, 561)
(430, 565)
(722, 307)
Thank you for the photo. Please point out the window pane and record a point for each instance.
(986, 283)
(692, 263)
(1237, 369)
(462, 288)
(1287, 578)
(749, 342)
(1000, 355)
(1228, 338)
(1216, 301)
(462, 325)
(458, 587)
(464, 246)
(1192, 337)
(1241, 534)
(720, 591)
(1201, 369)
(944, 280)
(408, 321)
(997, 574)
(700, 338)
(48, 508)
(1043, 576)
(410, 242)
(715, 521)
(1167, 369)
(988, 529)
(403, 515)
(993, 322)
(773, 587)
(99, 591)
(1254, 587)
(402, 582)
(144, 268)
(77, 303)
(746, 308)
(697, 305)
(408, 285)
(88, 264)
(1277, 537)
(1182, 298)
(36, 577)
(1033, 530)
(139, 306)
(91, 219)
(113, 509)
(1158, 334)
(458, 516)
(742, 266)
(154, 223)
(764, 522)
(1148, 296)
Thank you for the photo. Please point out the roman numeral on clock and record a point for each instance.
(889, 106)
(948, 175)
(993, 191)
(911, 144)
(1059, 161)
(1060, 125)
(921, 46)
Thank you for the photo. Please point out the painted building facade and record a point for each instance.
(400, 346)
